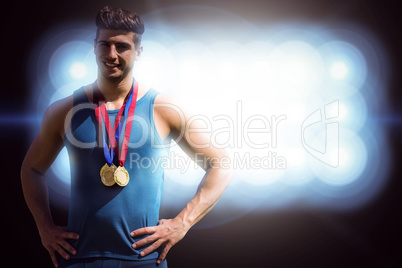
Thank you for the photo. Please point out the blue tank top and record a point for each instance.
(104, 216)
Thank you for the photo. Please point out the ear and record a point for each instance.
(138, 53)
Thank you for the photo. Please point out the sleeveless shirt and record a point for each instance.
(104, 216)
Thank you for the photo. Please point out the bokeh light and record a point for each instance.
(339, 70)
(78, 70)
(304, 91)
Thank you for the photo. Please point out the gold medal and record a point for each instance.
(121, 176)
(107, 174)
(112, 174)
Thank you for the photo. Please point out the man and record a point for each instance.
(114, 206)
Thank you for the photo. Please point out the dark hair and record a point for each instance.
(120, 19)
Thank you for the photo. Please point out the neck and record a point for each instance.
(113, 90)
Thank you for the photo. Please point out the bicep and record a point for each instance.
(193, 133)
(42, 153)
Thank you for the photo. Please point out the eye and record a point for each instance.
(122, 47)
(103, 46)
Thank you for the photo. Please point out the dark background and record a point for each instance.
(368, 237)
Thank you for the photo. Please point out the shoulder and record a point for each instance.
(55, 116)
(167, 108)
(171, 108)
(58, 115)
(58, 109)
(171, 115)
(63, 106)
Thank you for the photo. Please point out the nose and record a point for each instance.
(112, 53)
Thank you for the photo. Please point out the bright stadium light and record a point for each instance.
(296, 157)
(298, 171)
(339, 70)
(155, 65)
(78, 70)
(352, 154)
(344, 62)
(343, 112)
(190, 69)
(299, 69)
(71, 61)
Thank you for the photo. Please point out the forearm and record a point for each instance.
(211, 188)
(36, 196)
(54, 238)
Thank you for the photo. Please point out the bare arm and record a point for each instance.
(211, 188)
(38, 159)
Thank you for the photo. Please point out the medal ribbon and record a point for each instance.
(129, 110)
(114, 132)
(107, 152)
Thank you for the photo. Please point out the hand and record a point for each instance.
(54, 239)
(167, 233)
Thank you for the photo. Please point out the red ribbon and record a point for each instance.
(101, 112)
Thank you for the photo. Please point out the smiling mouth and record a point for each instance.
(111, 65)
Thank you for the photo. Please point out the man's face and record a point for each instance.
(115, 53)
